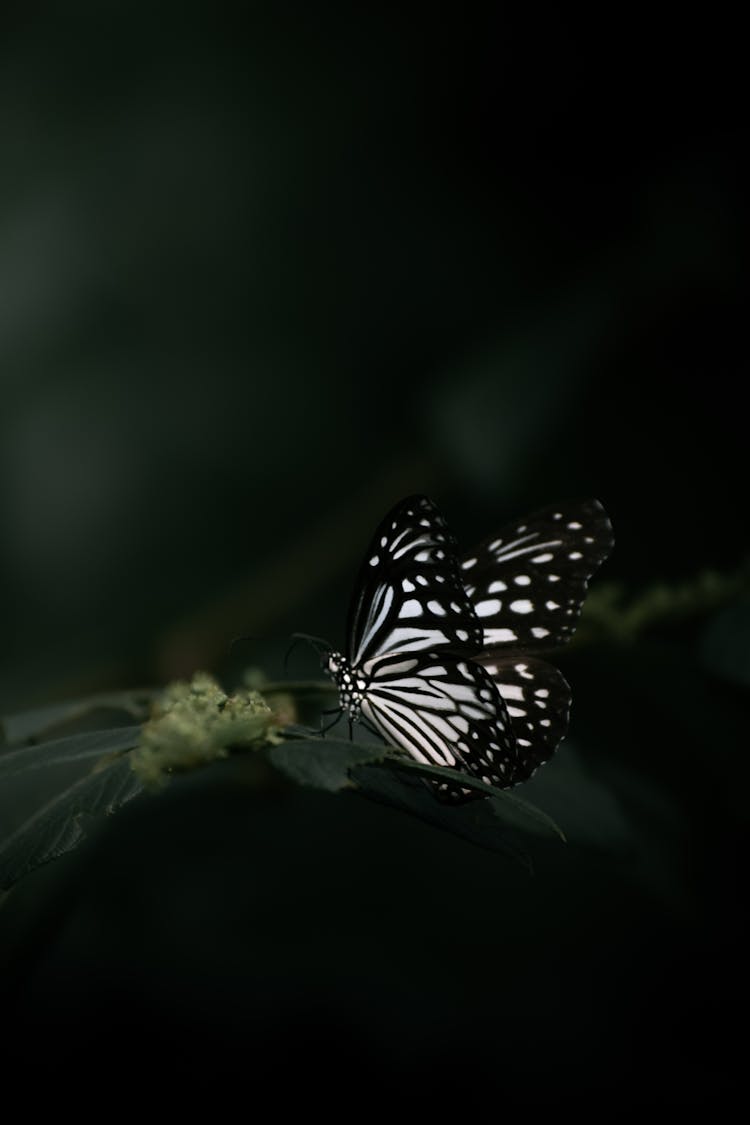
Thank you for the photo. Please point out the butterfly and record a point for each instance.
(441, 648)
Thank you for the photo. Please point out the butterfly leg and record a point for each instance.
(336, 711)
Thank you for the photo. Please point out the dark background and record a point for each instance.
(257, 282)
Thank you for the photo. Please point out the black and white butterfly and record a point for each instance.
(437, 646)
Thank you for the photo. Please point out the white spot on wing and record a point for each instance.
(407, 586)
(545, 557)
(468, 563)
(511, 691)
(435, 607)
(459, 722)
(522, 606)
(462, 693)
(412, 640)
(488, 607)
(411, 608)
(374, 560)
(393, 669)
(442, 726)
(410, 545)
(398, 539)
(539, 632)
(496, 587)
(499, 636)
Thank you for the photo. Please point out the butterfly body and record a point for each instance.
(437, 658)
(352, 686)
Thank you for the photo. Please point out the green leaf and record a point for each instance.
(64, 822)
(61, 751)
(323, 762)
(476, 822)
(337, 764)
(28, 725)
(507, 806)
(593, 814)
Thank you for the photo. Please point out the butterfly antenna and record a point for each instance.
(289, 652)
(318, 643)
(239, 640)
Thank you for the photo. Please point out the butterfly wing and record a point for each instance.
(528, 583)
(430, 637)
(409, 594)
(444, 711)
(537, 698)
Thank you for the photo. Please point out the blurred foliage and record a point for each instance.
(78, 747)
(257, 281)
(61, 824)
(196, 723)
(611, 613)
(41, 722)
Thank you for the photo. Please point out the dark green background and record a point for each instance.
(258, 280)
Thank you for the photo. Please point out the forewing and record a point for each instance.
(409, 595)
(537, 698)
(445, 711)
(528, 582)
